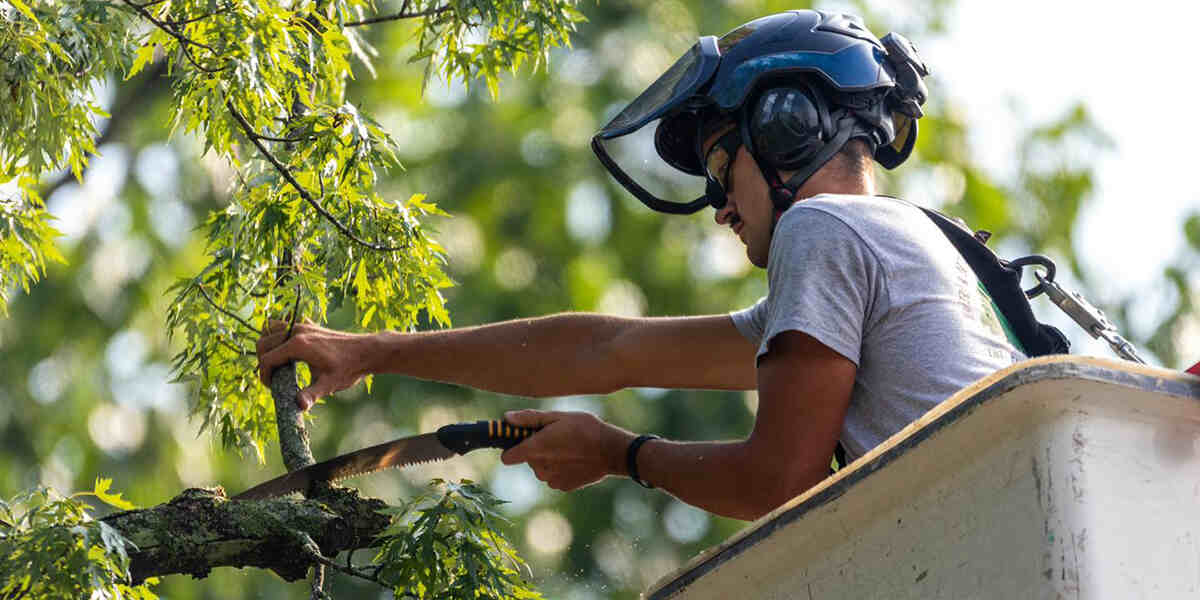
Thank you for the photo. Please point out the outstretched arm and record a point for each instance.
(569, 353)
(804, 389)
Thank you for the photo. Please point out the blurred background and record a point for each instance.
(1055, 125)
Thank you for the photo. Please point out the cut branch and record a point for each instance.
(287, 175)
(400, 15)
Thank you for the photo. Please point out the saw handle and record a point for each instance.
(465, 437)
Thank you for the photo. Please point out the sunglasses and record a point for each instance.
(716, 168)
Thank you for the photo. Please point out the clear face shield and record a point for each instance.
(627, 147)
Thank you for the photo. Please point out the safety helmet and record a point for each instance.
(799, 85)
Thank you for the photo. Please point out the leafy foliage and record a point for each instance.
(55, 56)
(512, 31)
(446, 544)
(52, 548)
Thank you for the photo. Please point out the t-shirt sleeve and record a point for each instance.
(751, 321)
(823, 281)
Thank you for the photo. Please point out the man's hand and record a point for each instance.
(572, 450)
(336, 359)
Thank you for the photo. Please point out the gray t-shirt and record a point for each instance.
(876, 281)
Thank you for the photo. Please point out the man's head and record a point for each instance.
(797, 87)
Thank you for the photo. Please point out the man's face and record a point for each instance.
(748, 208)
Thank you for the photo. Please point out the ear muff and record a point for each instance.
(788, 126)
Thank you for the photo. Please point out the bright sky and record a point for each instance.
(1136, 70)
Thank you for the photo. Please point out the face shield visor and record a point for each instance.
(627, 148)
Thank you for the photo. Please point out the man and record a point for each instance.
(871, 317)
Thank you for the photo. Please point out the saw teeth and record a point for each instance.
(360, 474)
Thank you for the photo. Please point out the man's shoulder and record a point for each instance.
(866, 216)
(855, 208)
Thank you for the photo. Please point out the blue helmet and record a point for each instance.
(799, 84)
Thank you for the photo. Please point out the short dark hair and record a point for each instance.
(855, 157)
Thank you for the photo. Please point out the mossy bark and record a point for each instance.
(293, 437)
(201, 529)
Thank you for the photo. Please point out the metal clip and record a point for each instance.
(1090, 318)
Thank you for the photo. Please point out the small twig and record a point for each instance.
(223, 310)
(348, 570)
(287, 174)
(199, 18)
(318, 583)
(238, 351)
(400, 15)
(146, 4)
(269, 138)
(295, 312)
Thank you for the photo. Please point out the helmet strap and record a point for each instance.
(783, 194)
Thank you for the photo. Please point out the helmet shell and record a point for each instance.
(836, 49)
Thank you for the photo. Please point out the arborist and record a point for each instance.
(872, 316)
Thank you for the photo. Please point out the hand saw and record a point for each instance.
(447, 441)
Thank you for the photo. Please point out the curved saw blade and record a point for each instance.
(396, 453)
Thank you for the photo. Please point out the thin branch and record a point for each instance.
(183, 39)
(199, 18)
(400, 15)
(223, 310)
(348, 570)
(295, 312)
(283, 170)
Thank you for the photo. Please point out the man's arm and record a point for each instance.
(804, 389)
(570, 353)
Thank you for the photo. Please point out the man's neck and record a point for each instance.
(861, 185)
(833, 179)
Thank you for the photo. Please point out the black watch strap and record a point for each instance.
(631, 458)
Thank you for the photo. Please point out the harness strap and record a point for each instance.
(1003, 283)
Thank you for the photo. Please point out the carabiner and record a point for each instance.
(1041, 261)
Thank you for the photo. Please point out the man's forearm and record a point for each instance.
(573, 353)
(562, 354)
(725, 478)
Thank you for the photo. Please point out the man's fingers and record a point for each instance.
(532, 418)
(320, 388)
(273, 326)
(268, 360)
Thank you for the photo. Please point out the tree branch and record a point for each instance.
(287, 175)
(400, 15)
(201, 529)
(171, 31)
(184, 41)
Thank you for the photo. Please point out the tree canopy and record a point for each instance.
(391, 164)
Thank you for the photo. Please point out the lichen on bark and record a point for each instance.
(293, 436)
(201, 529)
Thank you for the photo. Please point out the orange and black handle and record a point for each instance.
(465, 437)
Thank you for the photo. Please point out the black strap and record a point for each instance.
(631, 458)
(1003, 282)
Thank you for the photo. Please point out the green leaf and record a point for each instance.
(144, 55)
(24, 9)
(100, 490)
